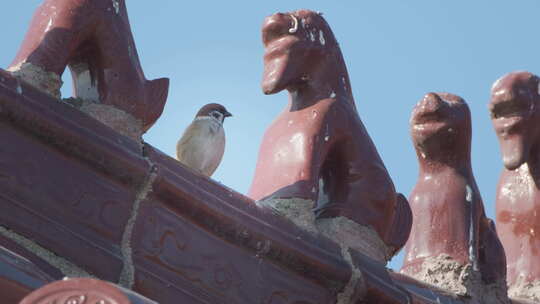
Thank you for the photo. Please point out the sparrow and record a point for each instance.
(202, 145)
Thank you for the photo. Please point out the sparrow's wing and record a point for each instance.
(188, 147)
(214, 158)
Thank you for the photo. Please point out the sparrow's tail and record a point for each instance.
(157, 91)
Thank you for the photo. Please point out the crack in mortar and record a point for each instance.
(299, 211)
(346, 296)
(68, 268)
(127, 276)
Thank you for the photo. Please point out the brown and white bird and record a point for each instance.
(203, 143)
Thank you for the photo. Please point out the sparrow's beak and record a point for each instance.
(227, 114)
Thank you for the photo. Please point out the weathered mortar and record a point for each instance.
(68, 268)
(446, 273)
(529, 291)
(37, 77)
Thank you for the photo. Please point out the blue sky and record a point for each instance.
(396, 51)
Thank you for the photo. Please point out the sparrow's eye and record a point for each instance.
(216, 115)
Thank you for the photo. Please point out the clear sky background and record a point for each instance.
(396, 51)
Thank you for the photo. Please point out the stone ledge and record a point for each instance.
(97, 193)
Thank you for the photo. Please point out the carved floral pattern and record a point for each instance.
(213, 266)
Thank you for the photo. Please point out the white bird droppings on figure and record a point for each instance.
(116, 6)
